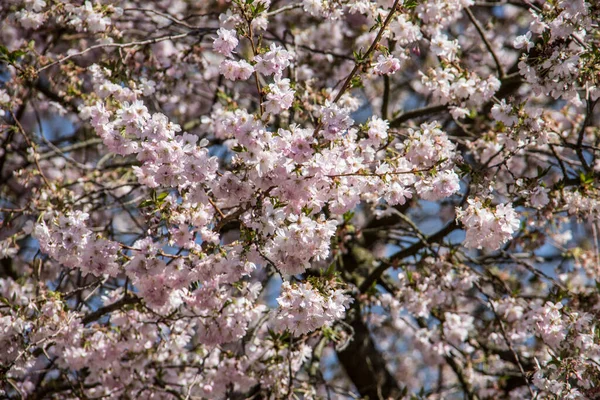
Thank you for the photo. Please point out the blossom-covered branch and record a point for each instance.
(299, 199)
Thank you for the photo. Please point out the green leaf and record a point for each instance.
(331, 269)
(5, 301)
(348, 215)
(356, 82)
(161, 197)
(587, 179)
(146, 203)
(409, 276)
(358, 56)
(542, 172)
(306, 210)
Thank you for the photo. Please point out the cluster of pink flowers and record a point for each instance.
(225, 42)
(302, 199)
(274, 61)
(441, 13)
(487, 226)
(236, 70)
(279, 97)
(85, 17)
(167, 159)
(294, 245)
(69, 241)
(32, 17)
(386, 65)
(563, 70)
(222, 317)
(451, 86)
(302, 308)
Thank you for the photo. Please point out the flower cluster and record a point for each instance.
(486, 226)
(85, 17)
(68, 240)
(267, 199)
(559, 66)
(302, 308)
(449, 85)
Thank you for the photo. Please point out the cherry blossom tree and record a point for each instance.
(299, 199)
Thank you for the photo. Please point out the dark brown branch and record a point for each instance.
(487, 43)
(43, 86)
(416, 113)
(367, 55)
(407, 252)
(386, 97)
(365, 365)
(579, 148)
(99, 313)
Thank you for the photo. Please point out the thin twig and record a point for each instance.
(366, 56)
(34, 155)
(486, 41)
(164, 15)
(283, 9)
(508, 342)
(416, 113)
(125, 45)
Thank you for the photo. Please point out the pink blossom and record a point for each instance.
(236, 70)
(386, 65)
(225, 42)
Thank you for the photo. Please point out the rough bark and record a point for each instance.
(365, 365)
